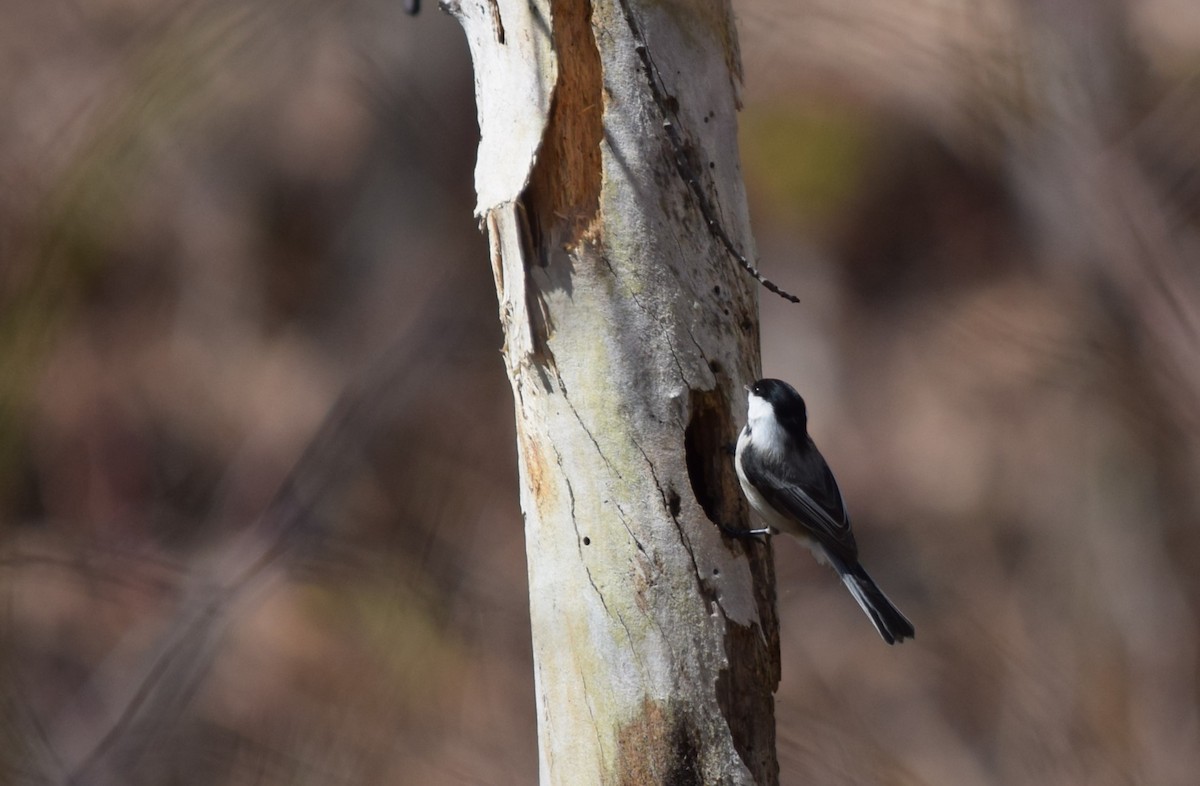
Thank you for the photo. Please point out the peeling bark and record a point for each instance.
(610, 187)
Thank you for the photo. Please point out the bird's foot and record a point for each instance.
(744, 534)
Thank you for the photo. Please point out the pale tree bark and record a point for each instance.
(610, 187)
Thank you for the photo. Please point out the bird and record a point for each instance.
(791, 488)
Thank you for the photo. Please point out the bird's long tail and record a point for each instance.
(891, 624)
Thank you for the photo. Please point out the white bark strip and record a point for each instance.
(629, 333)
(515, 74)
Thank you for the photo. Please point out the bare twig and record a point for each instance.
(686, 159)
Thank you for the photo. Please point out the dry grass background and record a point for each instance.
(220, 219)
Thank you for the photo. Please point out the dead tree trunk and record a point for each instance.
(610, 186)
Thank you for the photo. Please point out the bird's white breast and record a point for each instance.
(767, 436)
(757, 501)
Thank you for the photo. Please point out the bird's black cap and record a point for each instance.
(788, 405)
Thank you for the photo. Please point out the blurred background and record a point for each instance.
(259, 520)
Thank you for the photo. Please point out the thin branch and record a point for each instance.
(685, 157)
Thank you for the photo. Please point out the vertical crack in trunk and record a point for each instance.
(745, 695)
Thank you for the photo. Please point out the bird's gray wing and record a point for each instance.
(827, 523)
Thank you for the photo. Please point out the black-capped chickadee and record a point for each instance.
(790, 486)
